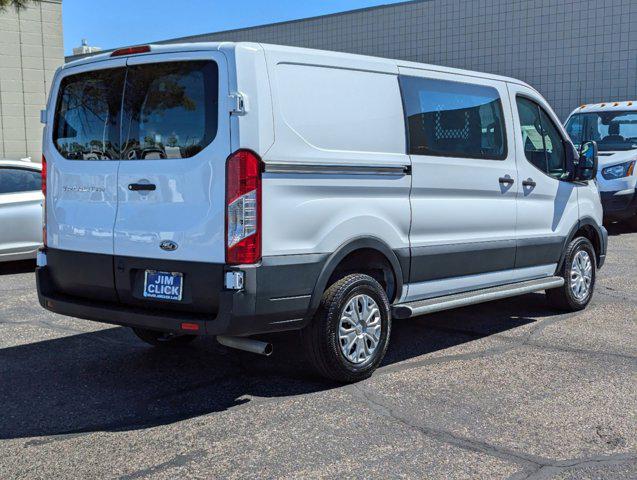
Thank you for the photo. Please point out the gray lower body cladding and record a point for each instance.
(458, 260)
(109, 289)
(279, 293)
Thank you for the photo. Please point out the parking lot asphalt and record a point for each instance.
(509, 389)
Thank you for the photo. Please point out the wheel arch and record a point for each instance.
(348, 250)
(587, 227)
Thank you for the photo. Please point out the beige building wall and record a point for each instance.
(31, 49)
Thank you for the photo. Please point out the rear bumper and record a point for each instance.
(619, 205)
(275, 297)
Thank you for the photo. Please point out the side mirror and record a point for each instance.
(586, 167)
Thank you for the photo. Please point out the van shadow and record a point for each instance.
(109, 381)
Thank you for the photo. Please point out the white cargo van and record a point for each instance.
(613, 126)
(237, 189)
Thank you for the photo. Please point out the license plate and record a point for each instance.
(163, 285)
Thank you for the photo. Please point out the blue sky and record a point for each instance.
(112, 23)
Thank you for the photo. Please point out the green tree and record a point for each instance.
(17, 4)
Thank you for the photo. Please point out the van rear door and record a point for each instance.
(82, 150)
(171, 181)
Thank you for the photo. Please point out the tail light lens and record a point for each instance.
(243, 208)
(44, 200)
(43, 175)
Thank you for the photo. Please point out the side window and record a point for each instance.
(87, 115)
(171, 109)
(16, 180)
(543, 143)
(453, 119)
(554, 145)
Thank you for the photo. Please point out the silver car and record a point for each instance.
(20, 209)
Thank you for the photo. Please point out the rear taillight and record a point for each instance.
(243, 208)
(44, 200)
(43, 175)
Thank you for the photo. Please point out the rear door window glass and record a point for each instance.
(16, 180)
(453, 119)
(87, 115)
(170, 109)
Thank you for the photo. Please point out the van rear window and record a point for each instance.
(169, 110)
(88, 114)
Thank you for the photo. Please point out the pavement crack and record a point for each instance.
(179, 460)
(530, 462)
(399, 367)
(546, 472)
(567, 349)
(617, 294)
(533, 467)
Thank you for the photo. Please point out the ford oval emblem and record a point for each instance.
(168, 245)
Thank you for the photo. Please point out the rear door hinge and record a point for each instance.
(238, 103)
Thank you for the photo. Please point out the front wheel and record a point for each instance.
(349, 334)
(632, 222)
(163, 339)
(579, 271)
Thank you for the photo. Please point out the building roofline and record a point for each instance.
(298, 20)
(185, 39)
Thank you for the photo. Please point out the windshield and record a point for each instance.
(611, 130)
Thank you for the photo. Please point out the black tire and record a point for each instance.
(163, 339)
(564, 298)
(632, 222)
(321, 336)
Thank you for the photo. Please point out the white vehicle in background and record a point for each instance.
(613, 126)
(20, 210)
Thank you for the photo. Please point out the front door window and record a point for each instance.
(543, 144)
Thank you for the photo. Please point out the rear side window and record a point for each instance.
(16, 180)
(87, 115)
(453, 119)
(170, 109)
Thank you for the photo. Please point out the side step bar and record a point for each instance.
(431, 305)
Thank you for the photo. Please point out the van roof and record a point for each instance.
(383, 63)
(630, 105)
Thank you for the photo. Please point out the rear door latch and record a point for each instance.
(238, 103)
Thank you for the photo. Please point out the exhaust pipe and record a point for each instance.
(247, 344)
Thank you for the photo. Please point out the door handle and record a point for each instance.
(507, 180)
(529, 183)
(139, 187)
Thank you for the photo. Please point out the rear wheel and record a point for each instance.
(349, 334)
(163, 339)
(578, 270)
